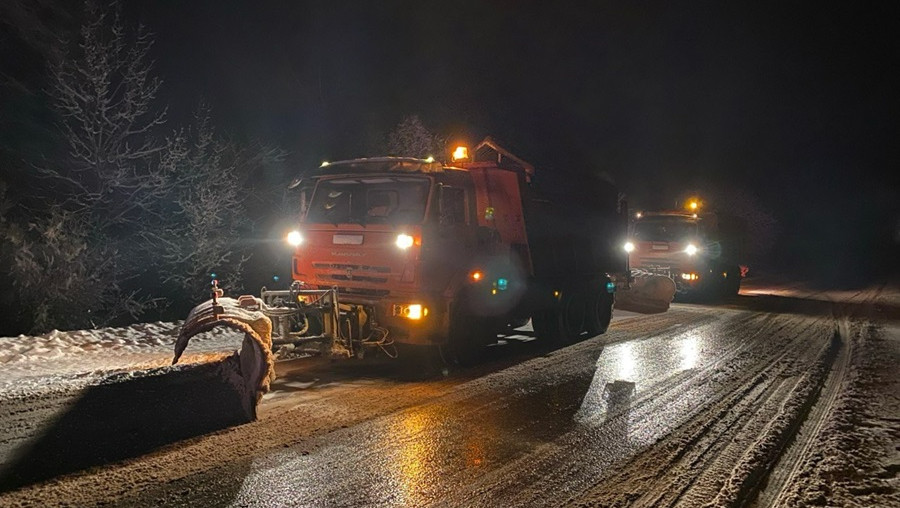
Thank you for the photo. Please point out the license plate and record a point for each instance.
(347, 239)
(663, 246)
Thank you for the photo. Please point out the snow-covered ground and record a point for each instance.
(70, 359)
(67, 359)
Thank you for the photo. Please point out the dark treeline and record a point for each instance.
(110, 213)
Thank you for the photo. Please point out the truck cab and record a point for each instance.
(403, 239)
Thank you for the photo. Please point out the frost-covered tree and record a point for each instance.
(77, 248)
(410, 138)
(206, 221)
(105, 93)
(131, 218)
(64, 273)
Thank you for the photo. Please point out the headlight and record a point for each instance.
(404, 241)
(691, 249)
(629, 247)
(294, 238)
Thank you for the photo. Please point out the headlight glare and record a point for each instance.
(404, 241)
(294, 238)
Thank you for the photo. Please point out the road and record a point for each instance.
(776, 398)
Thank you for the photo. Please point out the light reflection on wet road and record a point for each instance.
(523, 428)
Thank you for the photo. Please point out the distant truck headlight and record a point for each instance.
(294, 238)
(629, 247)
(404, 241)
(691, 249)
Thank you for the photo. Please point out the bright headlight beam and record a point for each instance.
(404, 241)
(294, 238)
(629, 247)
(691, 249)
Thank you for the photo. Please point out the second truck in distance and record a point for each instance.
(701, 252)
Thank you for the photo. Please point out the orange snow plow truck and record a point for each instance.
(701, 252)
(398, 250)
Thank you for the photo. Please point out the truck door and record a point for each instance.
(452, 247)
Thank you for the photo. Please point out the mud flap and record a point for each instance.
(248, 373)
(649, 293)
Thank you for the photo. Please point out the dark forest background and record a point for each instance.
(147, 144)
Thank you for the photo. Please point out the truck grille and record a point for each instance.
(366, 293)
(344, 273)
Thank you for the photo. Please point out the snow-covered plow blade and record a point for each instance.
(649, 293)
(248, 373)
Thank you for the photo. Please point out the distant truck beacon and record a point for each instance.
(701, 251)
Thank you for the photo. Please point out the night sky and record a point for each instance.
(792, 103)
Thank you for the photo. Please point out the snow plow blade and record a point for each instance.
(248, 373)
(649, 293)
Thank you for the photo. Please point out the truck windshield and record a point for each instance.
(665, 229)
(369, 200)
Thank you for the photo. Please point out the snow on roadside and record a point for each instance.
(58, 360)
(857, 458)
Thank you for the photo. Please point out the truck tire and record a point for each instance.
(734, 281)
(599, 313)
(574, 314)
(562, 325)
(547, 328)
(467, 338)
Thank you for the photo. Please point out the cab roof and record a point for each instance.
(373, 165)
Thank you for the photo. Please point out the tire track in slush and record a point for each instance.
(575, 462)
(686, 467)
(786, 471)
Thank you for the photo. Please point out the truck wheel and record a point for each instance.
(468, 336)
(599, 313)
(547, 326)
(574, 311)
(562, 325)
(734, 281)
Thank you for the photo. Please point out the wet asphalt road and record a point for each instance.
(658, 411)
